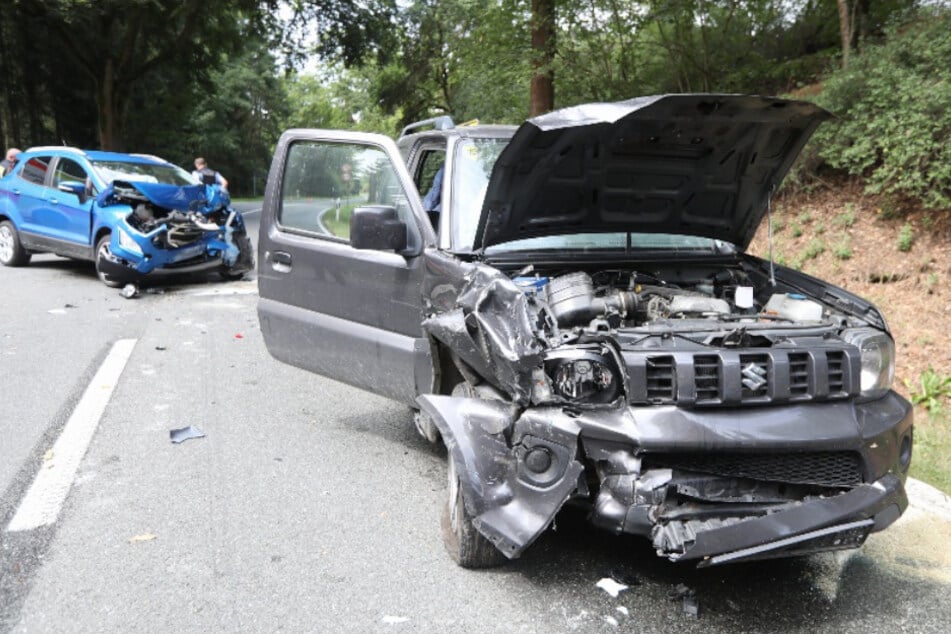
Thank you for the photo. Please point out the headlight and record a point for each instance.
(127, 243)
(878, 359)
(583, 377)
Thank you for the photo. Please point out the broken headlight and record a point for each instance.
(127, 243)
(583, 377)
(878, 359)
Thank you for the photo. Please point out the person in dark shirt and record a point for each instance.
(208, 176)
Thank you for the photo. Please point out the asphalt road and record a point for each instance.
(313, 507)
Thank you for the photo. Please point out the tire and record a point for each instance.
(12, 252)
(466, 545)
(102, 251)
(245, 261)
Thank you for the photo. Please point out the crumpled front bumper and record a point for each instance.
(517, 469)
(125, 264)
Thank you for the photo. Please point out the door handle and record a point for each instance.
(281, 261)
(54, 201)
(16, 191)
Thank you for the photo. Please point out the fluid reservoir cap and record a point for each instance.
(796, 296)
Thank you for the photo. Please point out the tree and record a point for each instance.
(543, 55)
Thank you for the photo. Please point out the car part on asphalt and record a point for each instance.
(185, 433)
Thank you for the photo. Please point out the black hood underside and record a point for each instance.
(701, 165)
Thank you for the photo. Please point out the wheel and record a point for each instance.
(102, 253)
(245, 261)
(12, 252)
(466, 545)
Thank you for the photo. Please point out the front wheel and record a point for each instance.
(245, 261)
(466, 545)
(12, 252)
(102, 255)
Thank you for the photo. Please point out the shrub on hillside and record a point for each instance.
(894, 112)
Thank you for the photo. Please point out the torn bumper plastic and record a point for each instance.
(517, 468)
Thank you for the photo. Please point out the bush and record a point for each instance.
(894, 109)
(933, 388)
(905, 238)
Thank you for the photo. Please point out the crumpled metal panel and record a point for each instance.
(508, 506)
(491, 330)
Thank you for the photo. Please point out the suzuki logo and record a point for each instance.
(754, 376)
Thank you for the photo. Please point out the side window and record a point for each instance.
(324, 181)
(68, 170)
(426, 174)
(35, 169)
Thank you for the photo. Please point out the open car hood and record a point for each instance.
(178, 197)
(700, 165)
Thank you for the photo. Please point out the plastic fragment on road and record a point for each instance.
(610, 620)
(239, 336)
(623, 610)
(57, 311)
(129, 291)
(185, 433)
(611, 586)
(392, 620)
(161, 348)
(48, 455)
(627, 578)
(144, 537)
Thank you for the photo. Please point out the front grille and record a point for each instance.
(661, 380)
(707, 377)
(732, 377)
(836, 362)
(827, 468)
(798, 374)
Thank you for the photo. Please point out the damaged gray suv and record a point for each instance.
(575, 316)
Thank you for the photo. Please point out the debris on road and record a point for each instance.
(688, 597)
(611, 586)
(239, 336)
(185, 433)
(144, 537)
(48, 455)
(161, 348)
(129, 291)
(69, 306)
(392, 620)
(57, 311)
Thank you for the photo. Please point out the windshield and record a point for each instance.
(473, 165)
(611, 241)
(142, 172)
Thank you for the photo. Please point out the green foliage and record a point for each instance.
(796, 229)
(814, 249)
(894, 108)
(847, 218)
(933, 388)
(843, 250)
(905, 238)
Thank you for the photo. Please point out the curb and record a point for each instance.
(925, 497)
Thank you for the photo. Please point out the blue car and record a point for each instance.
(134, 215)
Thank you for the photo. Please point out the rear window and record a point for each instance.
(35, 169)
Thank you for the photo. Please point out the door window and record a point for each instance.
(35, 169)
(69, 171)
(324, 182)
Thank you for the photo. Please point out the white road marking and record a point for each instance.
(44, 499)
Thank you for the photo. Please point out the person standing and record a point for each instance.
(208, 176)
(11, 159)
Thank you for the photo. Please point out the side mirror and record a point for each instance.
(74, 187)
(377, 227)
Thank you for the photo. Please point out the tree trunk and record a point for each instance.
(108, 110)
(845, 31)
(543, 54)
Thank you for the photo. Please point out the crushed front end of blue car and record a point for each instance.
(168, 229)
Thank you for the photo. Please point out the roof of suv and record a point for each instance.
(462, 131)
(97, 155)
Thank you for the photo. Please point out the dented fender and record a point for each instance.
(513, 478)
